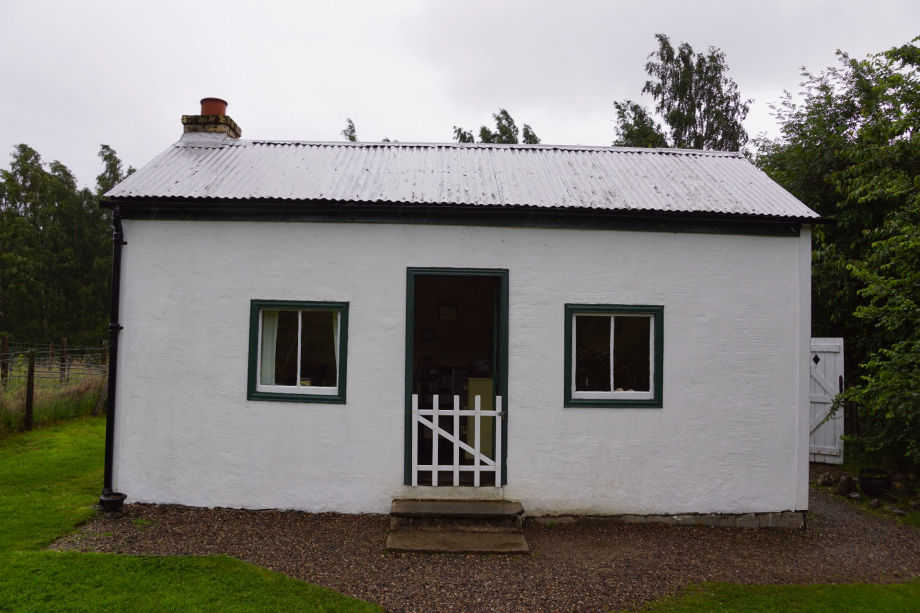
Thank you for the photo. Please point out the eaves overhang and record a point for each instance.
(328, 211)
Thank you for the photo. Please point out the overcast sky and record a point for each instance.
(77, 74)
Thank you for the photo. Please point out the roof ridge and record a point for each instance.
(452, 145)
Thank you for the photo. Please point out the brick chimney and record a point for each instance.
(213, 119)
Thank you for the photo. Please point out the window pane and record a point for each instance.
(286, 348)
(319, 349)
(631, 337)
(592, 353)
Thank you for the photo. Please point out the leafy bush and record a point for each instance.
(851, 151)
(886, 167)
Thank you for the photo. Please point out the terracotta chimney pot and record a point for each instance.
(213, 106)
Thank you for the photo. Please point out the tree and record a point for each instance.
(850, 151)
(701, 106)
(528, 136)
(112, 174)
(506, 132)
(881, 170)
(55, 251)
(636, 127)
(820, 139)
(889, 393)
(463, 136)
(349, 131)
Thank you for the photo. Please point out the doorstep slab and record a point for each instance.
(456, 508)
(456, 542)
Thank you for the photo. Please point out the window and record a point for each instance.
(613, 355)
(297, 351)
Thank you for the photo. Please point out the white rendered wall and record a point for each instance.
(732, 436)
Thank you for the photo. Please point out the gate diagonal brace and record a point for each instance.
(454, 440)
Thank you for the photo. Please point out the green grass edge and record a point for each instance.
(822, 598)
(49, 483)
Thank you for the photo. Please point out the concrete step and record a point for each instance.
(458, 524)
(424, 541)
(457, 515)
(470, 509)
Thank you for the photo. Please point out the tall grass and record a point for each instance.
(51, 404)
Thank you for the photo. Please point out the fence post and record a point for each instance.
(105, 353)
(30, 393)
(63, 360)
(4, 362)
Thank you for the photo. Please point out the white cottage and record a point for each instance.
(335, 326)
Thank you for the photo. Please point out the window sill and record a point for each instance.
(315, 398)
(599, 403)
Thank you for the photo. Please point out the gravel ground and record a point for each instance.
(573, 567)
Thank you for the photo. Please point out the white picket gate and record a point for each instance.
(824, 443)
(481, 462)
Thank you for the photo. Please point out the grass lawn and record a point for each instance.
(49, 481)
(49, 581)
(855, 598)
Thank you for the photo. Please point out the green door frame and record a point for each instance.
(501, 373)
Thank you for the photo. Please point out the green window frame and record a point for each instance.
(298, 392)
(653, 399)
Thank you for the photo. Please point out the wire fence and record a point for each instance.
(55, 367)
(40, 385)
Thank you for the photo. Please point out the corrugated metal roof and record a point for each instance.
(610, 178)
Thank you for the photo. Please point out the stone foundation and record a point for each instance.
(790, 520)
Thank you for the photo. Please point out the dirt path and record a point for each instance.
(573, 567)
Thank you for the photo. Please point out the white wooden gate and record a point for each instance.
(824, 444)
(481, 462)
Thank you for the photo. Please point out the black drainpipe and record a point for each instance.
(111, 501)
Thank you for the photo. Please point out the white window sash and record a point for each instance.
(614, 395)
(267, 345)
(335, 340)
(305, 390)
(299, 340)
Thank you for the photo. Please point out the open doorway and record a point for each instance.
(456, 352)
